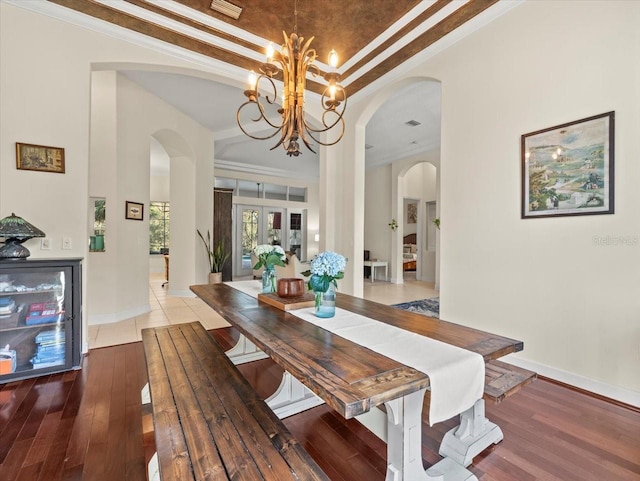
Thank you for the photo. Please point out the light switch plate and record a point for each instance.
(45, 244)
(66, 243)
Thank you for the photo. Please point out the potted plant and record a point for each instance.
(217, 258)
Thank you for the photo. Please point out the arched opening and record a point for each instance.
(402, 179)
(124, 119)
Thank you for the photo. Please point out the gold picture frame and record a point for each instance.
(134, 210)
(40, 158)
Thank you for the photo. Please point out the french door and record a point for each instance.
(256, 225)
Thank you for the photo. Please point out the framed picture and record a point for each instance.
(134, 210)
(40, 157)
(568, 169)
(412, 213)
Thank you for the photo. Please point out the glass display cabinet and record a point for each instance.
(40, 317)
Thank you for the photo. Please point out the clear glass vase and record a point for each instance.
(326, 302)
(269, 280)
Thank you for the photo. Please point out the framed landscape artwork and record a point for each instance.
(568, 169)
(40, 158)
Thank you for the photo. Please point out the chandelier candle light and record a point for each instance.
(294, 61)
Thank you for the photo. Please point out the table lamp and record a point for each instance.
(16, 230)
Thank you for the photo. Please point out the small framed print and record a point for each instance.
(568, 169)
(40, 157)
(134, 210)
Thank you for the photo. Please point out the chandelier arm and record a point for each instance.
(327, 144)
(327, 126)
(262, 115)
(278, 128)
(273, 87)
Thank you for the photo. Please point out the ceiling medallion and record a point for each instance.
(294, 61)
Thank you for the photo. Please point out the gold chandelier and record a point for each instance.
(294, 60)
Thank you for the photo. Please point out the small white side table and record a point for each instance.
(373, 265)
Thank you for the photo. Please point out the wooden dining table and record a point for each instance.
(353, 380)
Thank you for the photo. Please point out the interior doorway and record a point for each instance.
(255, 225)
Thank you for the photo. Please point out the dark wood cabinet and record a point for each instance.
(40, 317)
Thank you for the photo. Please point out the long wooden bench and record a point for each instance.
(501, 380)
(209, 423)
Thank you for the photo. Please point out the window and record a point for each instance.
(159, 227)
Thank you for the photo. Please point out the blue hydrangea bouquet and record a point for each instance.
(326, 268)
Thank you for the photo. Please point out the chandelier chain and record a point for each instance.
(295, 17)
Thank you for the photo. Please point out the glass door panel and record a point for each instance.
(257, 225)
(247, 238)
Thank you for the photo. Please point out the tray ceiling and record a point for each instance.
(371, 36)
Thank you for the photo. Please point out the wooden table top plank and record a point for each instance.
(205, 459)
(257, 425)
(306, 351)
(490, 346)
(170, 443)
(242, 442)
(362, 369)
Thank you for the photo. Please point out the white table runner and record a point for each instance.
(456, 375)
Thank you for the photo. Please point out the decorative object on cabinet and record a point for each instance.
(568, 169)
(40, 158)
(40, 317)
(134, 210)
(16, 230)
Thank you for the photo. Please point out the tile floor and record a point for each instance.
(166, 309)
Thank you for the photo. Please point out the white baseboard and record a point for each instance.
(118, 316)
(626, 396)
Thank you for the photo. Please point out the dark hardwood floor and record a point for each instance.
(87, 425)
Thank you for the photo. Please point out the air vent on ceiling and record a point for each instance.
(367, 146)
(412, 123)
(226, 8)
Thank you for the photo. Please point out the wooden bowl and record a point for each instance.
(290, 287)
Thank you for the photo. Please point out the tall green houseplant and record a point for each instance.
(216, 255)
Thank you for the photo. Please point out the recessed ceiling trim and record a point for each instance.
(387, 34)
(174, 25)
(401, 43)
(211, 22)
(227, 165)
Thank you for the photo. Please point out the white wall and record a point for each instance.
(548, 282)
(46, 100)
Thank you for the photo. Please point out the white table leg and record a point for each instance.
(386, 273)
(474, 434)
(245, 351)
(373, 273)
(404, 445)
(292, 397)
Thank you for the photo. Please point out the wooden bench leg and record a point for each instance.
(474, 434)
(245, 351)
(292, 397)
